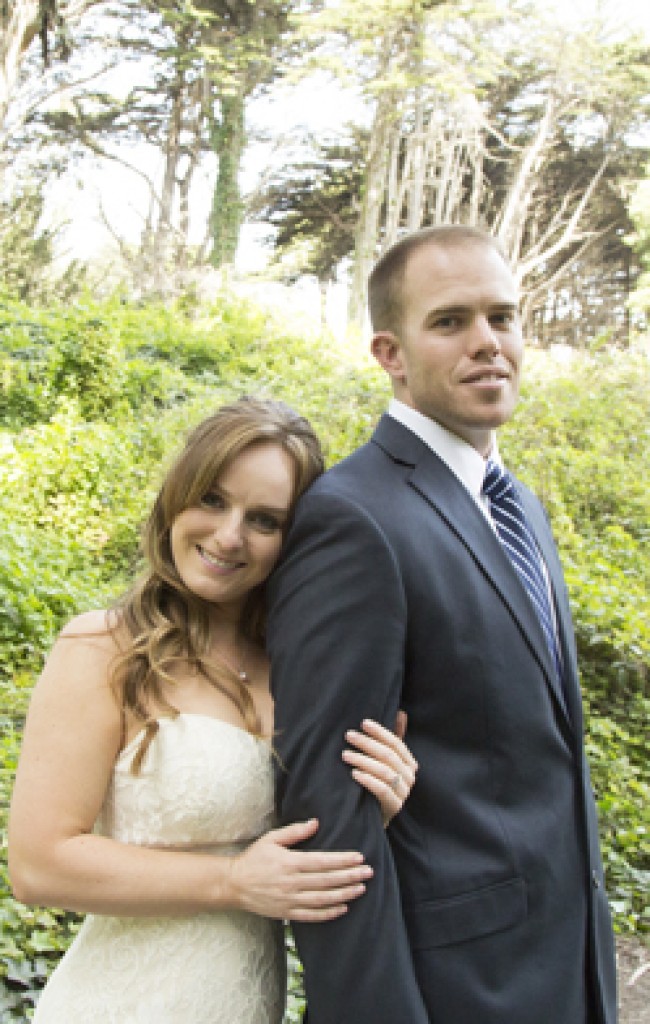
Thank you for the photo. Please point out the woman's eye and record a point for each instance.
(212, 500)
(265, 522)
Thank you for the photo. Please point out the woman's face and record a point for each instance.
(228, 544)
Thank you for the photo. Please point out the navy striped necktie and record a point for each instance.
(519, 543)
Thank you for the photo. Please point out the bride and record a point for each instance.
(144, 793)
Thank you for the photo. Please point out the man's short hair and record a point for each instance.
(385, 284)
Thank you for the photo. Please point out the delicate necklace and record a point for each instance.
(240, 672)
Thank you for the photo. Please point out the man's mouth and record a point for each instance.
(491, 376)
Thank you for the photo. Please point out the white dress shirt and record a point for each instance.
(463, 460)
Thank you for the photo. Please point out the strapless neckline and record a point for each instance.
(166, 721)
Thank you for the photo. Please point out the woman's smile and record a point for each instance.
(218, 563)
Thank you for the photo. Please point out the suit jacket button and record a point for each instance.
(595, 879)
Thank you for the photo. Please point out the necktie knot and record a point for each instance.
(496, 481)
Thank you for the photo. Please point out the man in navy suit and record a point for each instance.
(487, 904)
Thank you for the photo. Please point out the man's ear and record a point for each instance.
(387, 350)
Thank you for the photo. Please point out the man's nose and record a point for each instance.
(483, 336)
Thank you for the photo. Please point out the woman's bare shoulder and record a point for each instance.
(95, 622)
(100, 628)
(81, 662)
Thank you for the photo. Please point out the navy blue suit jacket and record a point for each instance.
(487, 904)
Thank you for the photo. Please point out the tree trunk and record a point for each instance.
(415, 200)
(19, 31)
(228, 141)
(514, 212)
(374, 189)
(163, 236)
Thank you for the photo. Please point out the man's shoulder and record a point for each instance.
(349, 473)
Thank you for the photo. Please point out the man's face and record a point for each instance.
(457, 358)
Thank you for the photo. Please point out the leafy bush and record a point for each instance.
(581, 439)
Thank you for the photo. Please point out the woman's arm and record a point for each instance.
(71, 741)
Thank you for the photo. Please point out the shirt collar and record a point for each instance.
(463, 460)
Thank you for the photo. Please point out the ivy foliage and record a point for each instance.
(94, 400)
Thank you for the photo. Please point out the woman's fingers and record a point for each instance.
(313, 860)
(317, 916)
(323, 895)
(320, 902)
(321, 870)
(297, 832)
(311, 908)
(382, 763)
(392, 772)
(380, 759)
(391, 740)
(401, 721)
(386, 740)
(391, 795)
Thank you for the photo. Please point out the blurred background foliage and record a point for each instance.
(96, 396)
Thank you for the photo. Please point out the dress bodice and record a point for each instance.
(203, 782)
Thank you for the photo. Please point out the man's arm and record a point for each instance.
(336, 639)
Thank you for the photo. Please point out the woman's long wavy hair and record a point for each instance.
(160, 624)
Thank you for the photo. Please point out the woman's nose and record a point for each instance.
(229, 531)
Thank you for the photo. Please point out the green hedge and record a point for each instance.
(581, 439)
(95, 397)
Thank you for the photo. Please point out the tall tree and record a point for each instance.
(158, 111)
(204, 61)
(503, 125)
(39, 59)
(640, 239)
(236, 47)
(416, 59)
(22, 22)
(313, 207)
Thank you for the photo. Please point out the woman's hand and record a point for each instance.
(382, 763)
(274, 881)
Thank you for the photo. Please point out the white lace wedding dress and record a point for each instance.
(205, 785)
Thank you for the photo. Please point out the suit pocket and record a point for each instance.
(467, 916)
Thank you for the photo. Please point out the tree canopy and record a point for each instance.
(480, 114)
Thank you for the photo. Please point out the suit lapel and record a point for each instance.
(436, 483)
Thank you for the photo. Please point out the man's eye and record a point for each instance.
(212, 500)
(446, 323)
(506, 319)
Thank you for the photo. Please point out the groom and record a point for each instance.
(415, 576)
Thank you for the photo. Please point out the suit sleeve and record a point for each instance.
(336, 640)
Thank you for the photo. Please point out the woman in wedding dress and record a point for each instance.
(144, 794)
